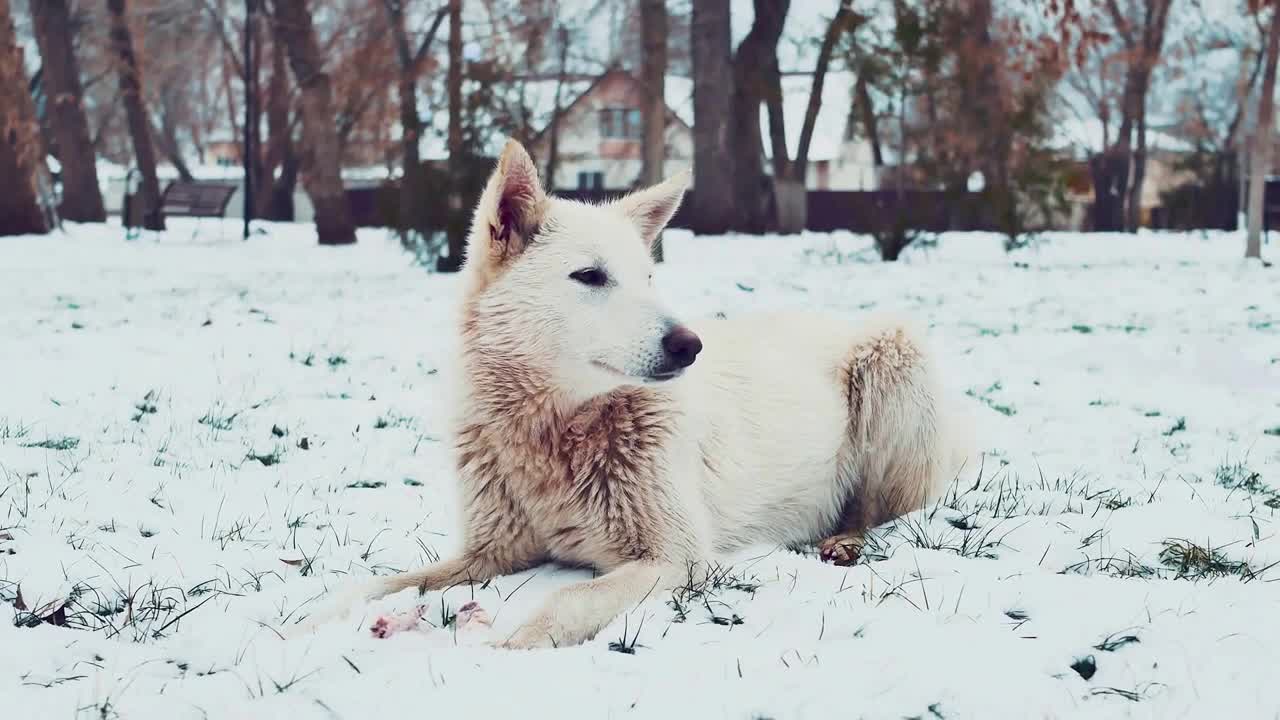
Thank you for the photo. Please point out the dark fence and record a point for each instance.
(1208, 207)
(855, 211)
(374, 205)
(883, 210)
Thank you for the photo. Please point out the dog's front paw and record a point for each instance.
(384, 626)
(842, 550)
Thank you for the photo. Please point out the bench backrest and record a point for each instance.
(198, 199)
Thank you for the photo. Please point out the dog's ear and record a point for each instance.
(510, 208)
(651, 209)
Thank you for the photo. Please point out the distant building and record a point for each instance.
(599, 134)
(221, 150)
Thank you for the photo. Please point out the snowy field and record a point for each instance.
(198, 436)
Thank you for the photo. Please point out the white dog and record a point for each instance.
(597, 429)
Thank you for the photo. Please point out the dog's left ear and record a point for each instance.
(651, 209)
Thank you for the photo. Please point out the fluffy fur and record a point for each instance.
(578, 441)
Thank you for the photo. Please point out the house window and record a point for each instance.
(590, 181)
(621, 124)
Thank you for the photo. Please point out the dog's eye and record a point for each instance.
(594, 277)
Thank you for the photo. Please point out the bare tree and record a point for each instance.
(136, 114)
(410, 60)
(866, 110)
(457, 229)
(1210, 112)
(279, 146)
(790, 195)
(81, 194)
(756, 75)
(985, 106)
(20, 147)
(1263, 139)
(653, 73)
(1119, 172)
(169, 102)
(713, 155)
(557, 104)
(322, 172)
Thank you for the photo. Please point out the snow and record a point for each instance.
(1124, 387)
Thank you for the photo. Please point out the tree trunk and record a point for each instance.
(870, 126)
(410, 162)
(790, 187)
(713, 152)
(81, 194)
(457, 223)
(410, 122)
(755, 75)
(323, 171)
(653, 32)
(841, 22)
(1107, 201)
(136, 116)
(791, 205)
(788, 201)
(1117, 176)
(1260, 163)
(553, 129)
(283, 188)
(167, 137)
(20, 145)
(410, 63)
(990, 116)
(252, 150)
(1111, 177)
(1133, 207)
(278, 130)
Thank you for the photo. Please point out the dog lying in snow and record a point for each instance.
(596, 429)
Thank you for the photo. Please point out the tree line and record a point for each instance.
(944, 91)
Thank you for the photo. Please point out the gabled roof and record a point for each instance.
(681, 90)
(829, 129)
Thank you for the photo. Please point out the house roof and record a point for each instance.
(678, 94)
(828, 135)
(538, 97)
(1086, 134)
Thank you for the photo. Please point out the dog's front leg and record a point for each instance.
(468, 567)
(574, 614)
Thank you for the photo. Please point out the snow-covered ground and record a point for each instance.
(199, 435)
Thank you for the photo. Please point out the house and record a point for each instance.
(599, 134)
(1164, 170)
(221, 149)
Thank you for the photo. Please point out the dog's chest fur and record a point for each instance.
(587, 482)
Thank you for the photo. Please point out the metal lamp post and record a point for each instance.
(251, 8)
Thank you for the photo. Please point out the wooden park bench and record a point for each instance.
(198, 199)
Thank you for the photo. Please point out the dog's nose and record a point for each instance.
(682, 345)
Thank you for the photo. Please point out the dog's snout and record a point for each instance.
(681, 345)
